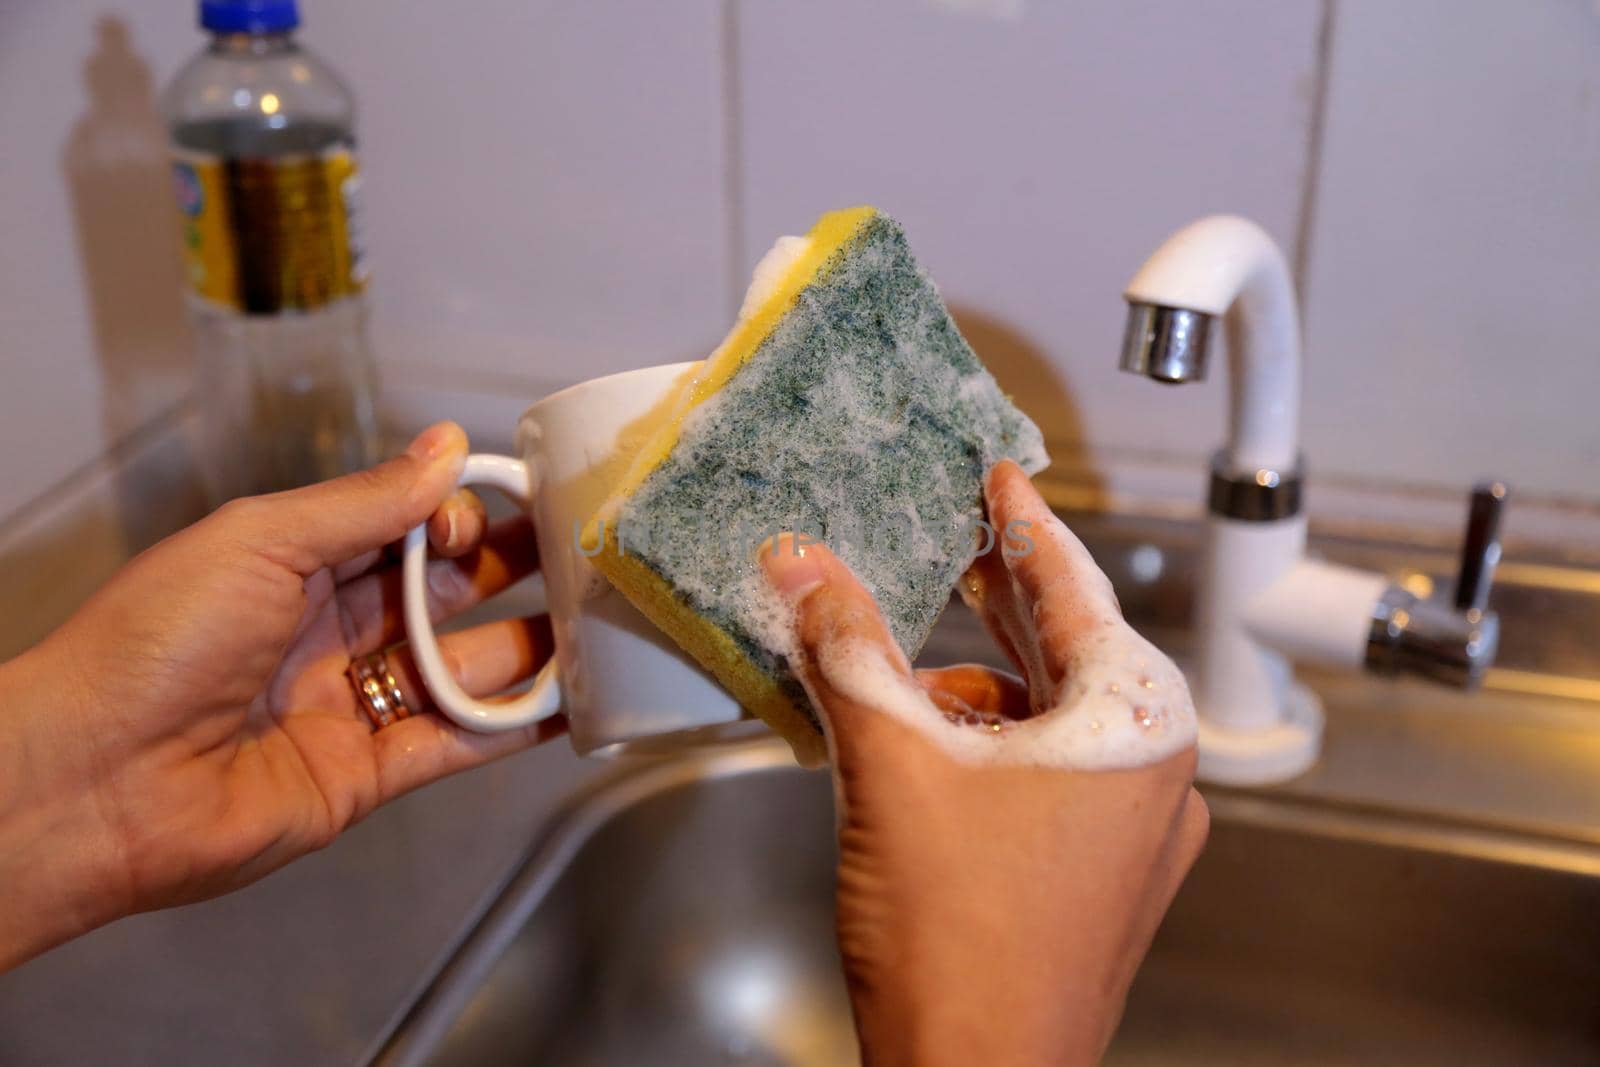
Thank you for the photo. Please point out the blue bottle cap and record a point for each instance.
(248, 16)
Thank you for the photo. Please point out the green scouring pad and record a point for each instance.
(844, 405)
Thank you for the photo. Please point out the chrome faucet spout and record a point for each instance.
(1166, 344)
(1228, 268)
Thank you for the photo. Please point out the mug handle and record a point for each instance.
(516, 479)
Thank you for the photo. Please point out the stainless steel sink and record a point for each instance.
(1428, 894)
(681, 913)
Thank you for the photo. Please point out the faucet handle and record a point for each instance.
(1455, 643)
(1480, 550)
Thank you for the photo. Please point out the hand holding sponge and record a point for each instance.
(844, 405)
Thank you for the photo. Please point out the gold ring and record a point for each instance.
(377, 691)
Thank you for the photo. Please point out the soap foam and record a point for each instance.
(784, 253)
(1121, 704)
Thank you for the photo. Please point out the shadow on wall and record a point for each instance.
(119, 176)
(64, 545)
(1034, 382)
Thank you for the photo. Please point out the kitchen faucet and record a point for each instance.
(1261, 602)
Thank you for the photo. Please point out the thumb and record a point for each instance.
(848, 660)
(325, 524)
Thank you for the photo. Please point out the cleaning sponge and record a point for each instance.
(845, 405)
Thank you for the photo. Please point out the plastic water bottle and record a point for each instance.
(265, 171)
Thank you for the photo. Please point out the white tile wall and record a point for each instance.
(92, 341)
(550, 198)
(1453, 320)
(547, 180)
(1035, 160)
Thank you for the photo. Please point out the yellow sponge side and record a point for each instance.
(713, 649)
(751, 686)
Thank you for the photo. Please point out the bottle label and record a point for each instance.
(271, 234)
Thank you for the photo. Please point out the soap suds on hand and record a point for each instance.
(1120, 704)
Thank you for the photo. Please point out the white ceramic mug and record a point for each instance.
(617, 677)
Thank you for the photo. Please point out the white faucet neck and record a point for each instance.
(1228, 266)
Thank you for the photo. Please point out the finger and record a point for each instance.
(370, 607)
(458, 525)
(987, 589)
(977, 689)
(367, 562)
(483, 660)
(1066, 595)
(356, 566)
(848, 660)
(333, 522)
(950, 703)
(425, 748)
(455, 528)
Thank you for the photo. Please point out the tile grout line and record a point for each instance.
(1314, 144)
(733, 154)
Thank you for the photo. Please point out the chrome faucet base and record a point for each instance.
(1166, 344)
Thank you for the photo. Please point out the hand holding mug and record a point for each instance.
(619, 680)
(192, 728)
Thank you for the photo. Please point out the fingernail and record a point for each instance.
(450, 526)
(435, 441)
(793, 567)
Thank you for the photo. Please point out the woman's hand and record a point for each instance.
(191, 728)
(987, 914)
